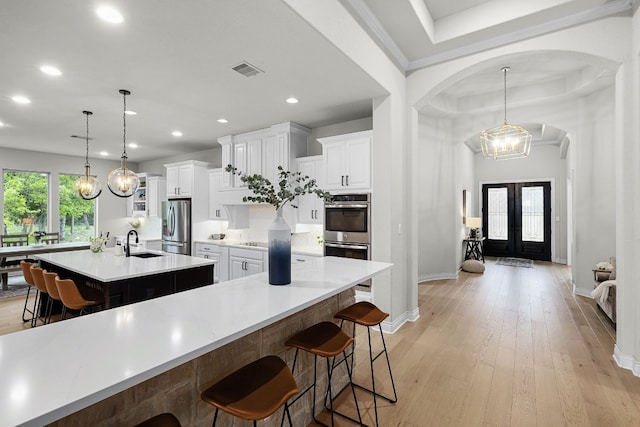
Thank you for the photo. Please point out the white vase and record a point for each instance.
(279, 251)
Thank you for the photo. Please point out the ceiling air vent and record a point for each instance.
(247, 69)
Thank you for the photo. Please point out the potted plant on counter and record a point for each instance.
(289, 186)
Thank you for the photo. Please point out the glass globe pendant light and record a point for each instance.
(123, 182)
(87, 186)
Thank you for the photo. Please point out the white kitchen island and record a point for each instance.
(120, 366)
(125, 280)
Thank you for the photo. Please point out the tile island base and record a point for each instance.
(178, 390)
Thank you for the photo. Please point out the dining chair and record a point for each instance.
(50, 238)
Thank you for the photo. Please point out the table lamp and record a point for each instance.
(474, 224)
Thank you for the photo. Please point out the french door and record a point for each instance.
(516, 220)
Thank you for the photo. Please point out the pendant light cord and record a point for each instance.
(124, 124)
(504, 71)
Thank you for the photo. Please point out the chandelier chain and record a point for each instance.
(504, 71)
(124, 124)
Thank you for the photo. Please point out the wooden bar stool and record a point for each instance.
(254, 391)
(73, 299)
(38, 280)
(327, 340)
(28, 278)
(161, 420)
(366, 314)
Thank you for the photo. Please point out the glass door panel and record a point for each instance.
(532, 214)
(497, 214)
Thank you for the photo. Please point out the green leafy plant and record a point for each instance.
(289, 186)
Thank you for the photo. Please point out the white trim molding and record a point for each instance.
(436, 276)
(626, 362)
(407, 316)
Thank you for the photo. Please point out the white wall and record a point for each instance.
(315, 148)
(440, 223)
(213, 155)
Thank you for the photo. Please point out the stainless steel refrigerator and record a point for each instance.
(176, 226)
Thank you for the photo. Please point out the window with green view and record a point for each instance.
(25, 201)
(77, 216)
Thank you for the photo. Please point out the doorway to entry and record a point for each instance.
(516, 220)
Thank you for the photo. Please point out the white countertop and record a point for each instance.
(314, 250)
(106, 267)
(93, 357)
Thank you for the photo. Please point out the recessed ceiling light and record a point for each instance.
(1, 124)
(292, 100)
(222, 120)
(109, 14)
(50, 70)
(103, 153)
(130, 113)
(176, 133)
(133, 145)
(21, 99)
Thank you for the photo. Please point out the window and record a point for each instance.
(532, 214)
(498, 217)
(25, 201)
(77, 216)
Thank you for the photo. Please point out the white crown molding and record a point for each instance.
(374, 26)
(608, 9)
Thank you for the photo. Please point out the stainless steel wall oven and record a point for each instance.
(347, 226)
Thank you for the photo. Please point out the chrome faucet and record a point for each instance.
(127, 250)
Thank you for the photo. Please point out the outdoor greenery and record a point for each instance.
(26, 205)
(289, 186)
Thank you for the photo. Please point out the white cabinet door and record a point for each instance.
(216, 210)
(185, 174)
(253, 266)
(173, 181)
(347, 161)
(310, 206)
(245, 262)
(156, 194)
(358, 166)
(334, 155)
(275, 152)
(236, 267)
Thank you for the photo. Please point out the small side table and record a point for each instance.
(475, 249)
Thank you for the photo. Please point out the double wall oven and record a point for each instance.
(347, 226)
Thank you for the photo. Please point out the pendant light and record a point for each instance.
(87, 186)
(506, 141)
(123, 182)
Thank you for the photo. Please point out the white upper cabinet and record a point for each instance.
(182, 178)
(310, 206)
(347, 161)
(156, 194)
(262, 151)
(147, 198)
(216, 209)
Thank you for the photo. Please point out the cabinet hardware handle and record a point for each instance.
(342, 180)
(347, 180)
(300, 260)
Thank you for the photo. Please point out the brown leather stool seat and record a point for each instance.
(366, 314)
(254, 391)
(75, 298)
(161, 420)
(328, 340)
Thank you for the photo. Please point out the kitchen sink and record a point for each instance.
(146, 255)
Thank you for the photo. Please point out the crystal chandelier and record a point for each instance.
(506, 141)
(87, 186)
(123, 182)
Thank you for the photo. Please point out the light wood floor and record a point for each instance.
(511, 347)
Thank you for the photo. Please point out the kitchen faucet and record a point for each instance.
(127, 250)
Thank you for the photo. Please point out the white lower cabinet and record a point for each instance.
(245, 262)
(216, 253)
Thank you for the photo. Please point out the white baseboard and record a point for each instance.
(625, 361)
(407, 316)
(437, 276)
(581, 292)
(559, 260)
